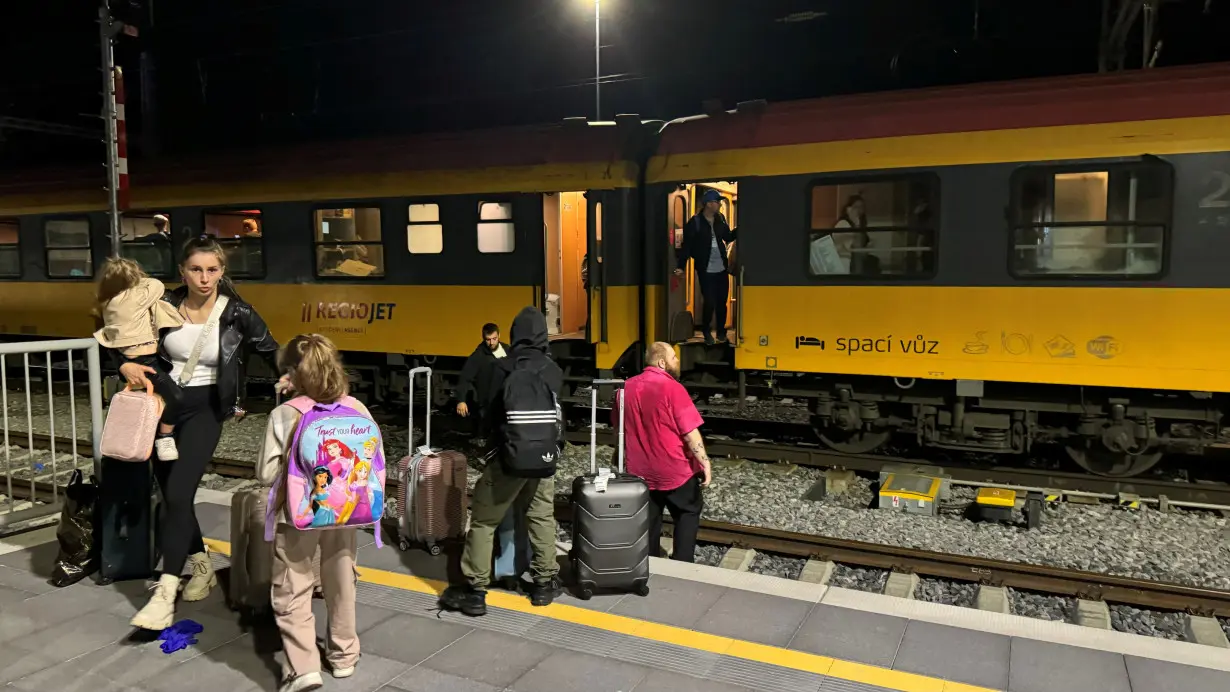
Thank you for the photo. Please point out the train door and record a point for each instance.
(680, 325)
(565, 247)
(685, 302)
(596, 327)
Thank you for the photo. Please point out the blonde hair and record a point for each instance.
(118, 275)
(315, 368)
(658, 350)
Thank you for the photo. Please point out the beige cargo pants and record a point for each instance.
(293, 581)
(494, 493)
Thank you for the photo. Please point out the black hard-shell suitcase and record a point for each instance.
(610, 521)
(126, 521)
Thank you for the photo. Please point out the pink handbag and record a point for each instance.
(132, 421)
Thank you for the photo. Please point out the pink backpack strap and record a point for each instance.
(302, 404)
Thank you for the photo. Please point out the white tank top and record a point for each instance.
(178, 345)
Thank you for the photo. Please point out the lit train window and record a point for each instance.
(10, 249)
(348, 243)
(239, 232)
(69, 254)
(424, 232)
(145, 237)
(881, 228)
(496, 232)
(1106, 222)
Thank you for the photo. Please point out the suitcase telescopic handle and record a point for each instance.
(593, 426)
(426, 371)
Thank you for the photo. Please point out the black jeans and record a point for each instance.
(685, 504)
(713, 291)
(164, 387)
(197, 431)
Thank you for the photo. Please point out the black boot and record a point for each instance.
(545, 593)
(466, 599)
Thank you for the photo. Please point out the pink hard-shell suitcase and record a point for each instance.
(132, 421)
(432, 499)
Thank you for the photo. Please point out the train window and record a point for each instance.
(10, 249)
(348, 243)
(883, 228)
(424, 232)
(496, 232)
(146, 239)
(68, 248)
(239, 234)
(1104, 222)
(679, 217)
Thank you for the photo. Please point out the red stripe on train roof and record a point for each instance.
(508, 147)
(1091, 99)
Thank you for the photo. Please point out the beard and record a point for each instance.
(673, 371)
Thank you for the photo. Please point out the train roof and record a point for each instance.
(1171, 109)
(571, 155)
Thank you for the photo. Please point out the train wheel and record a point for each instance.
(1100, 461)
(856, 442)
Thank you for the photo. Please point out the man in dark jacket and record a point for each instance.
(473, 385)
(497, 490)
(705, 239)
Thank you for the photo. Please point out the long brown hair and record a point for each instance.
(315, 368)
(118, 275)
(207, 243)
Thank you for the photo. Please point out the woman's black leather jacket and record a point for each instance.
(240, 329)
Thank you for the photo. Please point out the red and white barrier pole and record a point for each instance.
(121, 143)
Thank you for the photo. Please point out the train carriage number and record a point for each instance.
(1217, 199)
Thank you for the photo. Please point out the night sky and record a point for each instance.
(237, 73)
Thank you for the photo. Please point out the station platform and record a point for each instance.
(701, 628)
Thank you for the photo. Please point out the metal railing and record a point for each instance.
(31, 486)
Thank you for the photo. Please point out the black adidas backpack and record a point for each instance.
(531, 425)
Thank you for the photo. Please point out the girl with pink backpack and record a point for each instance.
(323, 455)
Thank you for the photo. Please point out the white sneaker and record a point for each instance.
(343, 672)
(203, 577)
(166, 449)
(307, 681)
(158, 614)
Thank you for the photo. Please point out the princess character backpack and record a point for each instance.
(335, 469)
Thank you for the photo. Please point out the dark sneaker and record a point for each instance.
(545, 593)
(467, 600)
(723, 340)
(708, 339)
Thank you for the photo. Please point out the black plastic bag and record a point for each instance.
(77, 558)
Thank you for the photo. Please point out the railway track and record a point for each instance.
(1050, 580)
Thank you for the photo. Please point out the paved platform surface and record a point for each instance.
(731, 634)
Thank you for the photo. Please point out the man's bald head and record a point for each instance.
(662, 355)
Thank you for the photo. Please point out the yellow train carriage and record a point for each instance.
(394, 249)
(984, 267)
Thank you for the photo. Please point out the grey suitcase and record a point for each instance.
(610, 521)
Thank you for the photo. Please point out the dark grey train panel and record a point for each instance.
(973, 236)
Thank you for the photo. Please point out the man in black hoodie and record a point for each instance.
(499, 487)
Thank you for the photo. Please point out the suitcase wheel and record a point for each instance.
(642, 589)
(434, 549)
(403, 545)
(585, 593)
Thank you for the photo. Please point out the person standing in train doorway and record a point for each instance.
(705, 238)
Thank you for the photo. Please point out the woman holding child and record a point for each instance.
(203, 358)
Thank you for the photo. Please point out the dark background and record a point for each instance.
(211, 74)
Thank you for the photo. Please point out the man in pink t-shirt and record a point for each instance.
(663, 445)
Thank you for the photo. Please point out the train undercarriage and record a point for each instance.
(1108, 432)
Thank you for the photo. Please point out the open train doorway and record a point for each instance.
(685, 304)
(566, 246)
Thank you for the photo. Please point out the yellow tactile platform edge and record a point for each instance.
(700, 641)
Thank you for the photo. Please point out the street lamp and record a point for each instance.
(597, 59)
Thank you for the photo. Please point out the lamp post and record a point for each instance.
(597, 59)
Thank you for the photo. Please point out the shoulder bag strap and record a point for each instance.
(210, 324)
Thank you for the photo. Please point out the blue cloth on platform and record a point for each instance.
(181, 635)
